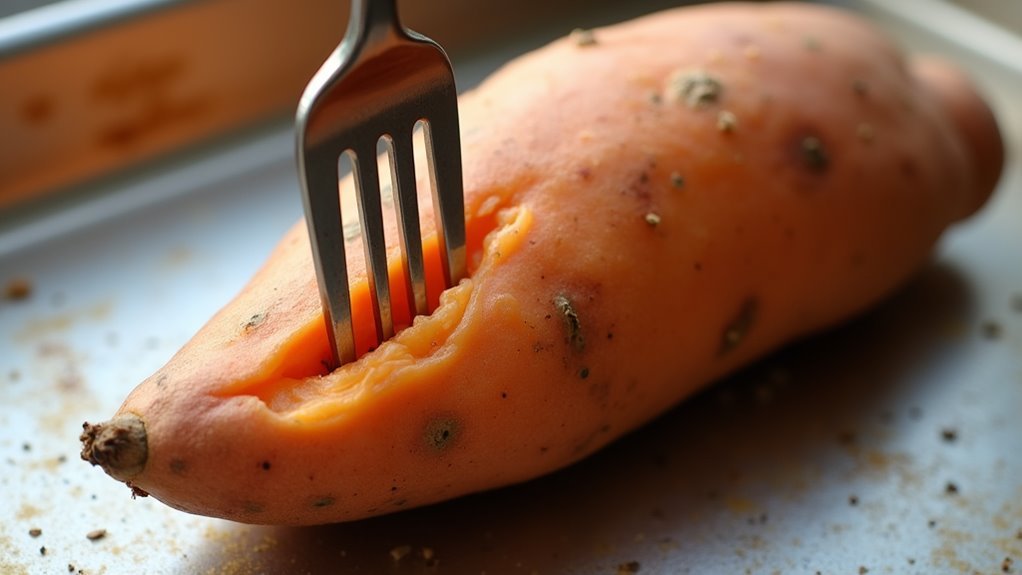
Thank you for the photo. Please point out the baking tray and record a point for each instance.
(889, 445)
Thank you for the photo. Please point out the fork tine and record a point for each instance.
(445, 177)
(402, 166)
(326, 237)
(367, 193)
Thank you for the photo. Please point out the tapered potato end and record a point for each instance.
(119, 446)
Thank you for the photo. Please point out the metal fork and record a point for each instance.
(379, 82)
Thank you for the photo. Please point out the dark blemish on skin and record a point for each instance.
(571, 323)
(441, 433)
(253, 322)
(265, 465)
(583, 373)
(814, 156)
(677, 180)
(161, 381)
(738, 328)
(325, 501)
(252, 507)
(178, 466)
(503, 395)
(860, 88)
(585, 174)
(695, 88)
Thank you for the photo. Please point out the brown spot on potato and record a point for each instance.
(572, 324)
(265, 465)
(696, 88)
(324, 501)
(178, 466)
(441, 433)
(253, 322)
(814, 154)
(252, 507)
(738, 328)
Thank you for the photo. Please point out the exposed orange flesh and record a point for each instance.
(627, 247)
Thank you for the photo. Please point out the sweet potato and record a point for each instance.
(650, 206)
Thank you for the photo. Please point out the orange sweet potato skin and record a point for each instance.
(644, 243)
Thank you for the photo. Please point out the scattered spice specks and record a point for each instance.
(583, 373)
(42, 550)
(583, 37)
(95, 534)
(1007, 565)
(653, 219)
(677, 180)
(951, 488)
(949, 434)
(694, 87)
(35, 532)
(18, 289)
(726, 121)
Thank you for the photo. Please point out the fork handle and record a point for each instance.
(374, 17)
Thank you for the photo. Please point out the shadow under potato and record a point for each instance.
(709, 468)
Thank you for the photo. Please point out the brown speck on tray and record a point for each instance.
(583, 37)
(863, 570)
(992, 330)
(853, 500)
(35, 532)
(949, 434)
(95, 534)
(951, 488)
(18, 289)
(629, 567)
(1007, 565)
(1016, 302)
(400, 552)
